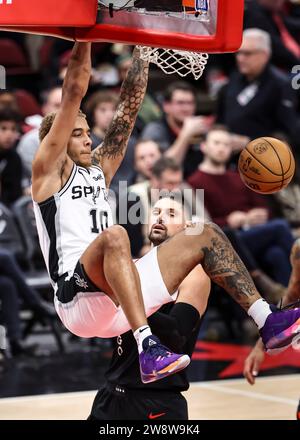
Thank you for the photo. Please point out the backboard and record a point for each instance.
(192, 25)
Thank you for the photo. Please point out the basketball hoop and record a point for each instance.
(176, 61)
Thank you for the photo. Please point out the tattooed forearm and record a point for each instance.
(225, 268)
(131, 97)
(115, 142)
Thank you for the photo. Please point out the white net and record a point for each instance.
(176, 61)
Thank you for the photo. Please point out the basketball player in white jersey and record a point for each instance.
(85, 254)
(99, 291)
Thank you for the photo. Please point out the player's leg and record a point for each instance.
(180, 254)
(108, 264)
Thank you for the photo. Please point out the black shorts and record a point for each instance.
(114, 402)
(78, 282)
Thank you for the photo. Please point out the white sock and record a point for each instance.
(140, 334)
(259, 311)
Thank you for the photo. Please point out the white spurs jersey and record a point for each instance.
(72, 218)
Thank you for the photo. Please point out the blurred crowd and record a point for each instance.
(188, 135)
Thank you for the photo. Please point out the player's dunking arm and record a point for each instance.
(110, 153)
(51, 156)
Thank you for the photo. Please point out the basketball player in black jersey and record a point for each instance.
(99, 291)
(177, 324)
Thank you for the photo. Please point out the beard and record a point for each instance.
(157, 237)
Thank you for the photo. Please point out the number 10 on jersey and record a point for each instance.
(99, 221)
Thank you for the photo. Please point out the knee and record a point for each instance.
(115, 237)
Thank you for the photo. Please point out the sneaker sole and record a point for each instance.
(283, 340)
(173, 368)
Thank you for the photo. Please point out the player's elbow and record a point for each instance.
(73, 90)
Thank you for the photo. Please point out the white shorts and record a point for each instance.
(87, 312)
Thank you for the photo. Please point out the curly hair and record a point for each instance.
(47, 123)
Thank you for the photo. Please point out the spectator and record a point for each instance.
(13, 290)
(230, 203)
(10, 162)
(269, 16)
(29, 143)
(8, 99)
(123, 63)
(179, 130)
(287, 201)
(258, 100)
(146, 153)
(100, 109)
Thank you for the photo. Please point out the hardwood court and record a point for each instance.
(273, 397)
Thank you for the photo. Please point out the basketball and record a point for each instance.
(266, 165)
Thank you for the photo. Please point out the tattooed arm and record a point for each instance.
(110, 153)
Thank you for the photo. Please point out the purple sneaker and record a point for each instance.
(157, 361)
(281, 329)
